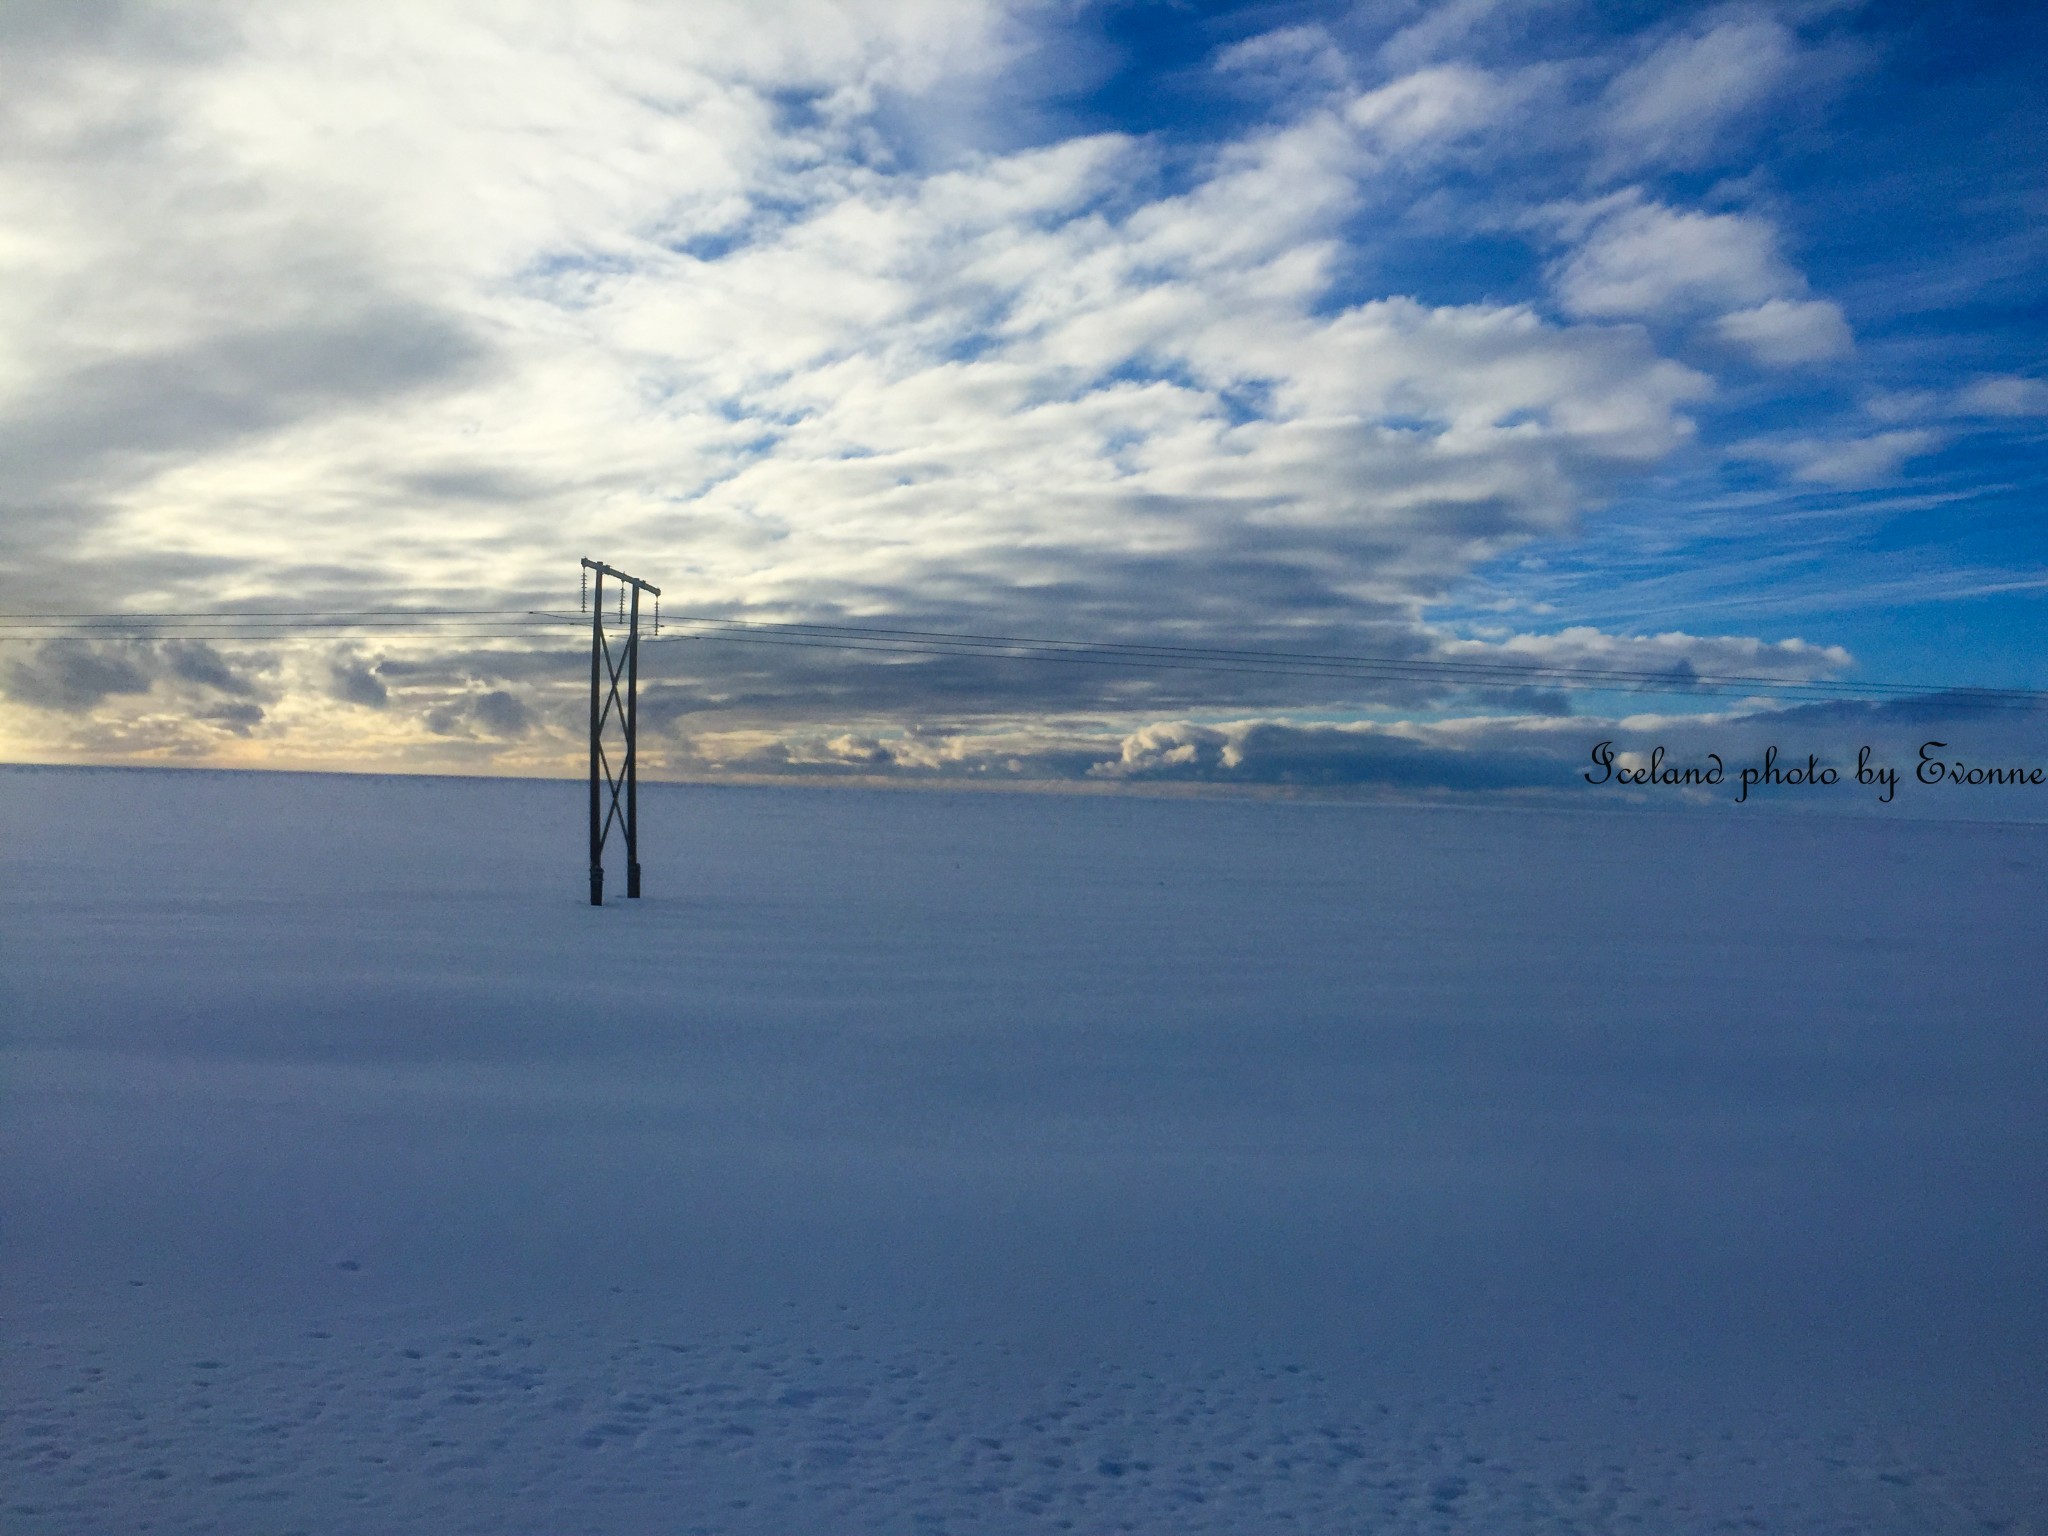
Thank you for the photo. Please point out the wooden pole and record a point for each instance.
(596, 719)
(633, 749)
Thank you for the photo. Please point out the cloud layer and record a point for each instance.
(811, 312)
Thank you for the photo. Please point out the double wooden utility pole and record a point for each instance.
(607, 700)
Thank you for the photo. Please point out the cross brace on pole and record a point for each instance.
(614, 797)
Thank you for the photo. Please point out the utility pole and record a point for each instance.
(607, 700)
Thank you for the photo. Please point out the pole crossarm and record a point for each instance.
(604, 570)
(614, 796)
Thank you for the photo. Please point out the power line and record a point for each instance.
(1282, 663)
(1451, 673)
(239, 623)
(281, 613)
(525, 624)
(1286, 663)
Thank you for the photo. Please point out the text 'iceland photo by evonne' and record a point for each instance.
(1485, 557)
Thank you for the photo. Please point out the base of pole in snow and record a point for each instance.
(597, 886)
(633, 880)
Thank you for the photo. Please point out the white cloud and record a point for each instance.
(1641, 259)
(2005, 395)
(1441, 28)
(869, 377)
(1674, 652)
(1674, 107)
(1847, 463)
(1362, 755)
(1785, 333)
(1635, 259)
(1288, 58)
(420, 303)
(1431, 104)
(1902, 405)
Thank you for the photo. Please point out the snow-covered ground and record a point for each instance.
(921, 1162)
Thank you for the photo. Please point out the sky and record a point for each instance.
(1662, 338)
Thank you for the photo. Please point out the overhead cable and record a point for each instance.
(876, 640)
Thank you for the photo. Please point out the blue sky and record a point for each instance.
(1633, 336)
(1898, 160)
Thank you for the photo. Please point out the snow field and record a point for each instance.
(926, 1162)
